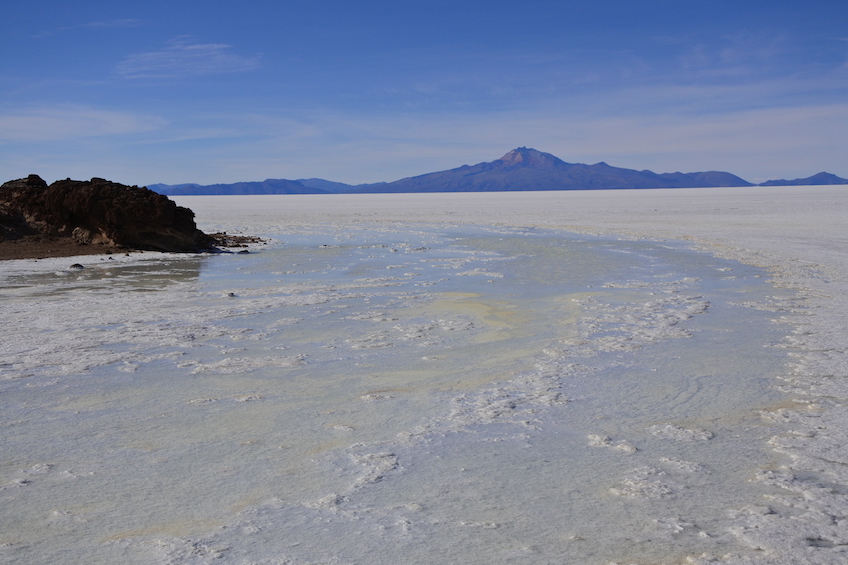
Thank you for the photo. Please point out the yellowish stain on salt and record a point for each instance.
(178, 528)
(387, 390)
(503, 319)
(143, 446)
(326, 446)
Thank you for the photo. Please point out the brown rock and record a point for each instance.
(98, 212)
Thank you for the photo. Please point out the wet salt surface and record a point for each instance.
(385, 394)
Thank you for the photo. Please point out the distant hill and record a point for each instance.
(268, 186)
(520, 169)
(325, 185)
(330, 186)
(529, 169)
(818, 179)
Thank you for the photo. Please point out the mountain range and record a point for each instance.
(520, 169)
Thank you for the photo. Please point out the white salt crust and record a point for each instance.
(516, 402)
(797, 233)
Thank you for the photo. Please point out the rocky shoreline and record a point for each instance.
(70, 218)
(44, 246)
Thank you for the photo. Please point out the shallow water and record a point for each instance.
(386, 394)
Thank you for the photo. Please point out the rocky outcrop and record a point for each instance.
(98, 212)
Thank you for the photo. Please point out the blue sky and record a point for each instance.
(223, 91)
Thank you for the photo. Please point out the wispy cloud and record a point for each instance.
(102, 24)
(126, 22)
(71, 122)
(181, 58)
(755, 144)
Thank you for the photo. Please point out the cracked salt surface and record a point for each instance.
(598, 401)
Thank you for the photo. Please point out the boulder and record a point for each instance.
(99, 212)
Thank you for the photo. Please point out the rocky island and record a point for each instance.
(72, 217)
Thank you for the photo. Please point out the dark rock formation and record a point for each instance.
(98, 212)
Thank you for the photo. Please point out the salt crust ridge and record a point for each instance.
(809, 524)
(515, 402)
(512, 403)
(80, 350)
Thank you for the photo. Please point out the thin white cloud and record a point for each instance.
(181, 58)
(104, 24)
(126, 22)
(71, 122)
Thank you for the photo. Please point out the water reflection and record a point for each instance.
(105, 275)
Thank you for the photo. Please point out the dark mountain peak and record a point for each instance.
(826, 178)
(817, 179)
(523, 168)
(527, 157)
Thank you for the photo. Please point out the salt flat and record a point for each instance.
(651, 377)
(798, 233)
